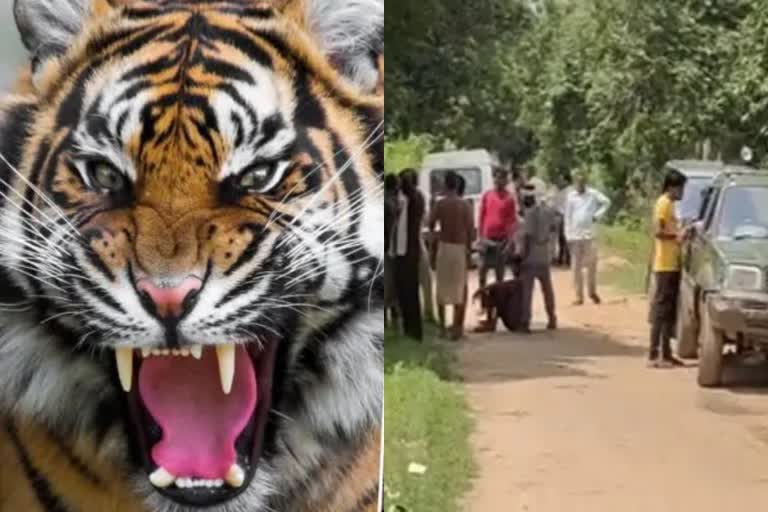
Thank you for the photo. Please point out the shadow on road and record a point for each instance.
(745, 379)
(568, 352)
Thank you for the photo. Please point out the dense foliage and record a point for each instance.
(617, 86)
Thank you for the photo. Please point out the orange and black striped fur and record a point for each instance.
(233, 144)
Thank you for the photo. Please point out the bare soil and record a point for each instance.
(574, 421)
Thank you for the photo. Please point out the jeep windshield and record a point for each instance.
(688, 208)
(744, 213)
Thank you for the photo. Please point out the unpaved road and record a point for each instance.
(575, 422)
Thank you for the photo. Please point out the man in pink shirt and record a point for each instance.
(498, 226)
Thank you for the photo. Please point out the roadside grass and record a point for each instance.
(632, 247)
(426, 421)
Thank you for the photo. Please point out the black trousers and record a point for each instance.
(407, 279)
(492, 256)
(563, 249)
(664, 313)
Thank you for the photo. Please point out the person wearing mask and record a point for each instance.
(666, 268)
(498, 227)
(534, 257)
(391, 207)
(584, 207)
(407, 248)
(454, 244)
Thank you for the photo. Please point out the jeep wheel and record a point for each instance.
(685, 333)
(711, 354)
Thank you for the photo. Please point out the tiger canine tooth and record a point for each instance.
(124, 359)
(226, 355)
(145, 352)
(235, 476)
(196, 351)
(161, 478)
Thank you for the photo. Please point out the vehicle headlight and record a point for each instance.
(744, 278)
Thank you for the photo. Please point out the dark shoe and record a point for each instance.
(595, 298)
(484, 327)
(578, 302)
(673, 361)
(552, 325)
(524, 330)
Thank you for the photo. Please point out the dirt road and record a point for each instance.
(575, 422)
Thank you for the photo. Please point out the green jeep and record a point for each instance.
(723, 294)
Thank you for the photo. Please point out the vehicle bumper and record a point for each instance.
(740, 313)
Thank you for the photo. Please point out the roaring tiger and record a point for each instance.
(191, 242)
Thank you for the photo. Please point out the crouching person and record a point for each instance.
(502, 300)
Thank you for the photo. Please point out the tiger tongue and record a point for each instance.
(199, 423)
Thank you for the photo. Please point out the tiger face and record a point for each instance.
(192, 233)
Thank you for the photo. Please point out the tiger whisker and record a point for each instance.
(281, 415)
(31, 222)
(36, 251)
(35, 189)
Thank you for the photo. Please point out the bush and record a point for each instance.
(408, 152)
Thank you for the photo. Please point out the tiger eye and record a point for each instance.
(107, 177)
(254, 178)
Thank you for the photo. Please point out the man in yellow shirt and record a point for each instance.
(666, 267)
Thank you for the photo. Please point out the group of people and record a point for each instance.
(565, 221)
(516, 229)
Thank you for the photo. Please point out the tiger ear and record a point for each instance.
(349, 32)
(48, 27)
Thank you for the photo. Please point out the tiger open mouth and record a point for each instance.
(198, 416)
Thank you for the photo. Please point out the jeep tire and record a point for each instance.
(710, 353)
(685, 333)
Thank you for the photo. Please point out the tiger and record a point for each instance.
(191, 245)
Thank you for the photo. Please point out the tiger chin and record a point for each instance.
(190, 257)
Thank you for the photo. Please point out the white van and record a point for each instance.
(475, 166)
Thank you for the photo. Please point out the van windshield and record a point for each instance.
(471, 175)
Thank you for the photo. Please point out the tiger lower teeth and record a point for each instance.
(186, 483)
(162, 478)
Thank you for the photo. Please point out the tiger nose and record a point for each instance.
(169, 301)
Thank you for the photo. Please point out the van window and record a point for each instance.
(472, 176)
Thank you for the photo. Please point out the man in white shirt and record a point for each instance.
(584, 206)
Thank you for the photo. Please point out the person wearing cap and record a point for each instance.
(584, 207)
(534, 254)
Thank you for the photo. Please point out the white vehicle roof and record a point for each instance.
(456, 159)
